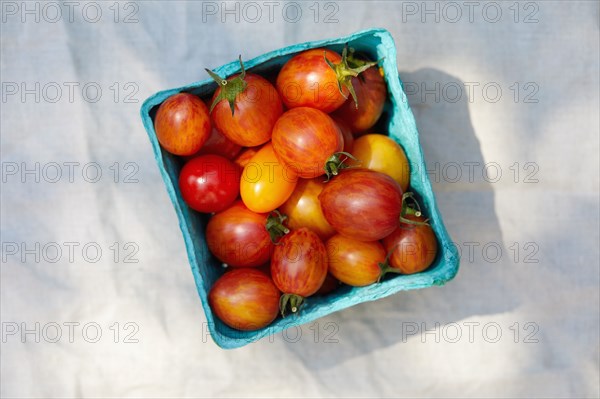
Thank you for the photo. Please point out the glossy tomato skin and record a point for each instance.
(371, 93)
(362, 204)
(307, 81)
(299, 263)
(256, 110)
(209, 183)
(414, 246)
(238, 237)
(382, 154)
(245, 299)
(303, 208)
(266, 181)
(182, 124)
(305, 138)
(354, 262)
(219, 145)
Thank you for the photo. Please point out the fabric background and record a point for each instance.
(507, 88)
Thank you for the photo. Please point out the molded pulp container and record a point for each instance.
(398, 120)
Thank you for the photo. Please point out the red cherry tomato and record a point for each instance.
(182, 124)
(303, 208)
(245, 299)
(255, 112)
(306, 80)
(413, 247)
(362, 204)
(219, 145)
(209, 183)
(305, 139)
(354, 262)
(371, 93)
(298, 266)
(238, 237)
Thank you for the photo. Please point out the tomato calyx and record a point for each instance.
(345, 73)
(275, 226)
(385, 266)
(337, 162)
(229, 88)
(357, 62)
(410, 206)
(293, 301)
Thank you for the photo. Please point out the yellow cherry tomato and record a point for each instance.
(382, 154)
(266, 182)
(303, 208)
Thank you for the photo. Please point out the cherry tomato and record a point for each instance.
(371, 93)
(256, 110)
(305, 139)
(266, 182)
(182, 124)
(303, 208)
(298, 266)
(246, 155)
(219, 145)
(346, 134)
(382, 154)
(329, 285)
(238, 237)
(362, 204)
(414, 246)
(354, 262)
(306, 80)
(245, 299)
(209, 183)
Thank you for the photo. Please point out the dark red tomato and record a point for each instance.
(298, 266)
(370, 92)
(414, 246)
(354, 262)
(182, 124)
(220, 145)
(329, 285)
(209, 183)
(362, 204)
(256, 110)
(238, 237)
(346, 134)
(245, 299)
(306, 80)
(305, 139)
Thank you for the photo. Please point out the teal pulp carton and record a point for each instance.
(398, 121)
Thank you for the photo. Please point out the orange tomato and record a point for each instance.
(354, 262)
(382, 154)
(303, 208)
(266, 182)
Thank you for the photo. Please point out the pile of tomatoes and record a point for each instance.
(303, 196)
